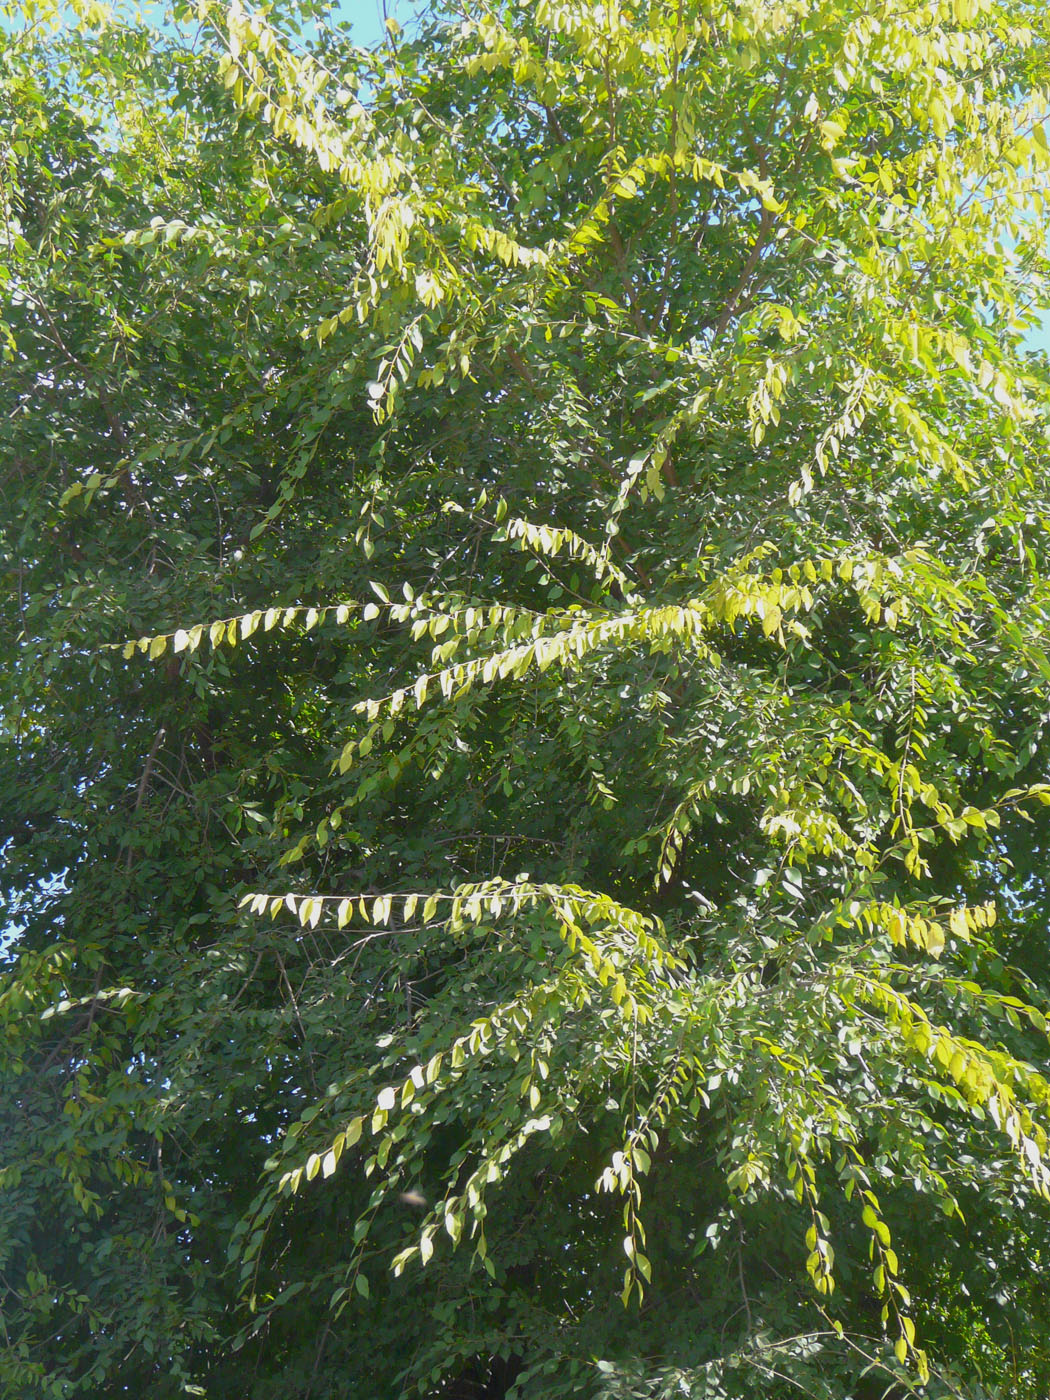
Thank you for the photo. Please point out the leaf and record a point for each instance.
(934, 940)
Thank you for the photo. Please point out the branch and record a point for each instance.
(757, 249)
(620, 254)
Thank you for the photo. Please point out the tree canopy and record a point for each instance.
(523, 740)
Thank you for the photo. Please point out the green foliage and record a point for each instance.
(523, 763)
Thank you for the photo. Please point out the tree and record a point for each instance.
(524, 759)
